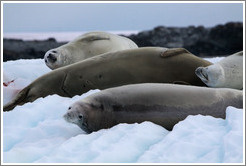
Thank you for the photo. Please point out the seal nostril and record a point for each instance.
(51, 57)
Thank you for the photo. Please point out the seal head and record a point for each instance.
(228, 73)
(211, 75)
(76, 115)
(79, 112)
(52, 58)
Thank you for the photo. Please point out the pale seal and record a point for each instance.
(132, 66)
(228, 73)
(163, 104)
(86, 46)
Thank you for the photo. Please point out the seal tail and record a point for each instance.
(18, 100)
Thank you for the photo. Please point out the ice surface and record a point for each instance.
(37, 133)
(26, 69)
(201, 139)
(18, 74)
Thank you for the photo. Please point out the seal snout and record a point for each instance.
(71, 117)
(67, 117)
(50, 56)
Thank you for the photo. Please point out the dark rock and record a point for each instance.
(14, 49)
(219, 40)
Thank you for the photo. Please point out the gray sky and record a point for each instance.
(55, 17)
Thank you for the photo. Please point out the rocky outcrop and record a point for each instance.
(219, 40)
(18, 49)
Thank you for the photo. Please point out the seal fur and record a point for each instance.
(228, 73)
(163, 104)
(86, 46)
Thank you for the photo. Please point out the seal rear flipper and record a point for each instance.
(181, 83)
(20, 99)
(173, 51)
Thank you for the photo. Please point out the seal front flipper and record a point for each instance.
(20, 99)
(173, 51)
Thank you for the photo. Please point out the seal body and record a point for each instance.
(132, 66)
(228, 73)
(86, 46)
(163, 104)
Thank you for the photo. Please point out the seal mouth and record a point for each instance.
(51, 58)
(67, 118)
(201, 74)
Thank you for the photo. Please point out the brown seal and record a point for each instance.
(163, 104)
(132, 66)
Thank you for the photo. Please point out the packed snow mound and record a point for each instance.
(25, 69)
(37, 133)
(32, 133)
(20, 73)
(201, 139)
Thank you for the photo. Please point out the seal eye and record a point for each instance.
(80, 117)
(69, 108)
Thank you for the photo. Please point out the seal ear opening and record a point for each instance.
(18, 100)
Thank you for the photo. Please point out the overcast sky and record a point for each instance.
(55, 17)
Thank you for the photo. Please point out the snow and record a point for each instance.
(37, 133)
(203, 139)
(18, 74)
